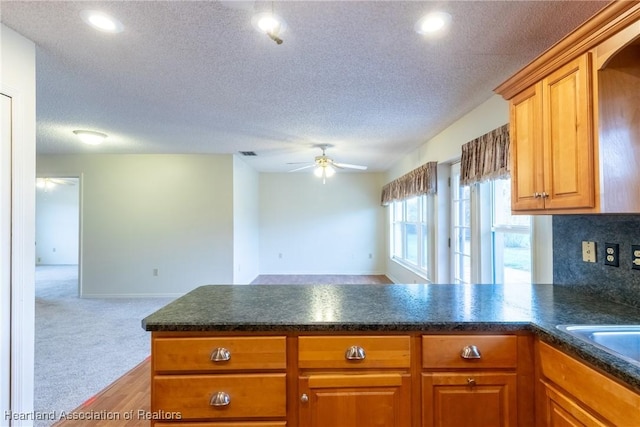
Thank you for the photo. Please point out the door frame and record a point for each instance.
(21, 284)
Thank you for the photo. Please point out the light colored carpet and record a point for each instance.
(83, 345)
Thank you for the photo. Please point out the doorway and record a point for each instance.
(58, 226)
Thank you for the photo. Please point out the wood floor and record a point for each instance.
(125, 403)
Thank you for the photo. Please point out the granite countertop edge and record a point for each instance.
(628, 373)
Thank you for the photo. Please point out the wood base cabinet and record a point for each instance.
(347, 400)
(219, 381)
(479, 399)
(355, 381)
(477, 380)
(574, 394)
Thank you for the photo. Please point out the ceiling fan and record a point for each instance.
(325, 167)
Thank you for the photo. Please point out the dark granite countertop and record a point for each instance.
(403, 308)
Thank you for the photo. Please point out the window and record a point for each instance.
(410, 237)
(461, 228)
(511, 238)
(488, 244)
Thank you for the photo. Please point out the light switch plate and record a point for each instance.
(589, 251)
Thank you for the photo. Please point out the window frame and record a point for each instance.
(423, 225)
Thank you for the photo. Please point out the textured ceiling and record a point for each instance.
(195, 77)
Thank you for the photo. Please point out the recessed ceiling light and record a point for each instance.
(101, 21)
(433, 23)
(90, 137)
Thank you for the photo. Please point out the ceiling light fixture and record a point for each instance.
(270, 24)
(433, 23)
(101, 21)
(324, 171)
(90, 137)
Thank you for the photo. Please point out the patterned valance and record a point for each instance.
(486, 157)
(422, 180)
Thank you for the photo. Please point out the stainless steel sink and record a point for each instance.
(620, 340)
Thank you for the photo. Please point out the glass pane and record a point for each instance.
(397, 211)
(412, 209)
(397, 240)
(411, 233)
(502, 205)
(424, 262)
(512, 258)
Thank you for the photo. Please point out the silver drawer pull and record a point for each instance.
(304, 398)
(220, 354)
(470, 352)
(355, 353)
(220, 399)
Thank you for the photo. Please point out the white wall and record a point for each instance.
(173, 213)
(18, 80)
(445, 148)
(246, 227)
(310, 228)
(57, 224)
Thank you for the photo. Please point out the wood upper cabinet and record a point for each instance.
(575, 136)
(552, 147)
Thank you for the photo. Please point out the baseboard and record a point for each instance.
(115, 296)
(393, 279)
(323, 273)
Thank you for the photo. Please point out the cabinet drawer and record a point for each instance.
(250, 395)
(377, 352)
(445, 351)
(195, 354)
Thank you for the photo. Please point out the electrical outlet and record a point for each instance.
(635, 257)
(589, 251)
(612, 254)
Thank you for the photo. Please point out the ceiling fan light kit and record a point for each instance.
(325, 167)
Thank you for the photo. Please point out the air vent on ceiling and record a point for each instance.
(248, 153)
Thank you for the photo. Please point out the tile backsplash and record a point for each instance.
(620, 284)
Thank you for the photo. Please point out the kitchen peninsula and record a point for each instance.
(387, 355)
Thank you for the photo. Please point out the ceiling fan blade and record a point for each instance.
(349, 166)
(300, 163)
(301, 168)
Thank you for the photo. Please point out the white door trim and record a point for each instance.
(22, 262)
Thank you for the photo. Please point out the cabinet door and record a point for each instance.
(477, 399)
(562, 411)
(568, 136)
(526, 150)
(355, 400)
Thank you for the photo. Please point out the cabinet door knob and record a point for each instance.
(220, 354)
(471, 382)
(355, 353)
(220, 399)
(544, 195)
(536, 195)
(470, 352)
(304, 398)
